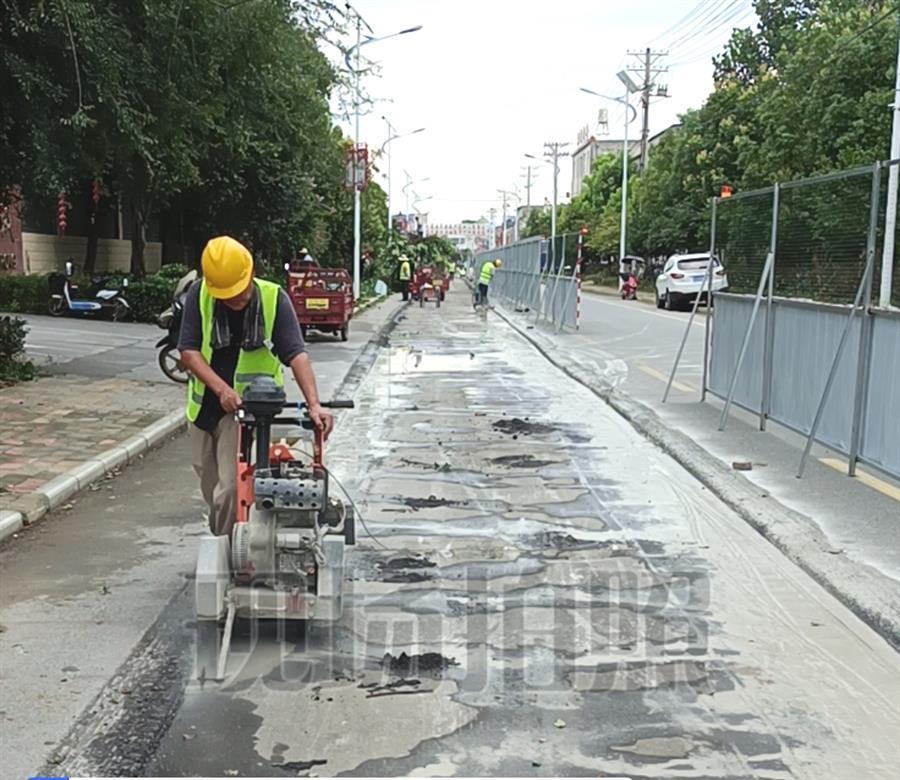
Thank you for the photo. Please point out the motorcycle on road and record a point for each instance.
(169, 320)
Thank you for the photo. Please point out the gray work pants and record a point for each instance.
(214, 456)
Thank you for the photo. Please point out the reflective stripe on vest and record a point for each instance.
(487, 273)
(250, 365)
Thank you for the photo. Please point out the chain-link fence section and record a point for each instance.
(886, 287)
(804, 335)
(823, 232)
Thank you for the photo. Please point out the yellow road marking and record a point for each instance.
(663, 378)
(867, 479)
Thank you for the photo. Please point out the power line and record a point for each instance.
(701, 52)
(684, 20)
(711, 22)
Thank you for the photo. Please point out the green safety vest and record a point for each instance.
(487, 272)
(404, 271)
(250, 365)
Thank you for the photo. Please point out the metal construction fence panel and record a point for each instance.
(805, 340)
(805, 343)
(880, 440)
(806, 334)
(537, 275)
(732, 319)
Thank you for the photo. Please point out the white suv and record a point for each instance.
(682, 278)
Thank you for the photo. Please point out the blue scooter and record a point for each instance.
(99, 299)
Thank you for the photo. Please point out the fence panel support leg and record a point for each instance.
(709, 304)
(767, 269)
(769, 338)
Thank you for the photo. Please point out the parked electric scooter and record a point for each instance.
(170, 320)
(100, 298)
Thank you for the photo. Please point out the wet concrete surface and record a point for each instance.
(553, 597)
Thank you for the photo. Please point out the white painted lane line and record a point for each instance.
(651, 312)
(650, 371)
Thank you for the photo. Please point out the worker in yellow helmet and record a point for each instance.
(230, 318)
(404, 274)
(484, 279)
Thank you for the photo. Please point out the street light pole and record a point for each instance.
(624, 193)
(357, 188)
(890, 217)
(357, 183)
(392, 136)
(630, 87)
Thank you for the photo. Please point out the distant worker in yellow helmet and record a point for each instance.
(484, 279)
(230, 319)
(404, 274)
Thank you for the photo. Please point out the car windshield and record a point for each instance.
(696, 264)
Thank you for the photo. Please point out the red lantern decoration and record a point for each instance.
(61, 213)
(95, 193)
(726, 191)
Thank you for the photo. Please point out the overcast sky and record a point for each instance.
(493, 79)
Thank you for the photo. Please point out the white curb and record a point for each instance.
(61, 488)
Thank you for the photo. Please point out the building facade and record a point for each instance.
(588, 148)
(472, 234)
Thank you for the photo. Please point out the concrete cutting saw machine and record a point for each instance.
(285, 557)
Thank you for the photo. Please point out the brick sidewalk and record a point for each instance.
(51, 425)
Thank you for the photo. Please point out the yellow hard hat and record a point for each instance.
(498, 262)
(227, 267)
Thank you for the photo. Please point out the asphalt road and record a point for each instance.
(101, 348)
(542, 593)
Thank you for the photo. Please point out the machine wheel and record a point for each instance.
(56, 307)
(170, 364)
(240, 547)
(345, 332)
(120, 311)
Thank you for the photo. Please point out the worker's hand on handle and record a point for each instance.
(324, 421)
(229, 400)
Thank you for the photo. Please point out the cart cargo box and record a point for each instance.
(322, 299)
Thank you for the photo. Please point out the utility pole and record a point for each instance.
(553, 151)
(646, 69)
(890, 217)
(527, 169)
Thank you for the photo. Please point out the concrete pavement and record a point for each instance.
(629, 348)
(104, 403)
(81, 588)
(543, 592)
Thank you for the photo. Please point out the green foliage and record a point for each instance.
(537, 223)
(218, 112)
(804, 93)
(24, 294)
(13, 365)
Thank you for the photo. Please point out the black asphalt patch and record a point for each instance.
(518, 426)
(523, 462)
(431, 664)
